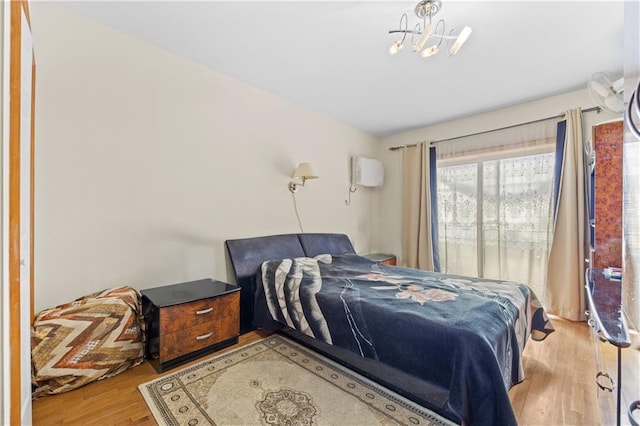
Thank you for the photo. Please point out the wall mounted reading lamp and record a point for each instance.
(303, 172)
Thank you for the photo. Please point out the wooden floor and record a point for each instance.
(558, 389)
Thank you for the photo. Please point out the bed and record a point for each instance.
(450, 343)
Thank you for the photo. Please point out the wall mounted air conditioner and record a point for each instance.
(366, 172)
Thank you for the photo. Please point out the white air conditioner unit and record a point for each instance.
(366, 172)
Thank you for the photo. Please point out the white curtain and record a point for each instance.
(495, 204)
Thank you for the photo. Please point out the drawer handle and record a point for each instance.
(204, 336)
(204, 311)
(604, 386)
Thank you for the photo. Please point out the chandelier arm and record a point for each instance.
(444, 36)
(441, 35)
(404, 31)
(406, 26)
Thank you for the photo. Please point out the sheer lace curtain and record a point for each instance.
(495, 204)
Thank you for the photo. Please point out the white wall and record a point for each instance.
(389, 223)
(146, 162)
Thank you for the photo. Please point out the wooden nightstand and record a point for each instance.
(387, 259)
(187, 320)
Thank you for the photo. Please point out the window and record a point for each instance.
(495, 209)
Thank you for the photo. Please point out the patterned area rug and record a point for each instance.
(277, 382)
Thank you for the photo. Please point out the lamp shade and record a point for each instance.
(304, 171)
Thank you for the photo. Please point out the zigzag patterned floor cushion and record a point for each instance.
(94, 337)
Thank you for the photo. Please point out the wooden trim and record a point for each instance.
(16, 328)
(15, 10)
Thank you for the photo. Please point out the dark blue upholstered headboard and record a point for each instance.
(247, 254)
(315, 244)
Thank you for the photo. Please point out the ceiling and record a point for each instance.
(332, 57)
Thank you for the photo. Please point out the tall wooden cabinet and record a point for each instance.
(607, 147)
(604, 292)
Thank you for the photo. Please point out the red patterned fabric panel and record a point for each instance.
(608, 195)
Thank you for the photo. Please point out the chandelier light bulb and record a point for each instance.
(462, 37)
(395, 47)
(429, 51)
(428, 29)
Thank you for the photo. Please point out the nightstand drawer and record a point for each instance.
(180, 317)
(197, 337)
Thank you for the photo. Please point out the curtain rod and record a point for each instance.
(394, 148)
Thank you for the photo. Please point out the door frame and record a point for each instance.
(13, 288)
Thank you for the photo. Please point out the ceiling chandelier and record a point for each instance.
(426, 10)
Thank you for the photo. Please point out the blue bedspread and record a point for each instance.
(463, 334)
